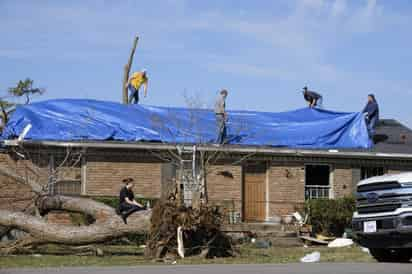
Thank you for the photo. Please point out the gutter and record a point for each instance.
(332, 153)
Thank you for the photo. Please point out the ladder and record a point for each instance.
(190, 174)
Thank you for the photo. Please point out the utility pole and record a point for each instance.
(127, 71)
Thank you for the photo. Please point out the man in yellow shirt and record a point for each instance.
(135, 82)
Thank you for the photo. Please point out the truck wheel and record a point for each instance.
(401, 255)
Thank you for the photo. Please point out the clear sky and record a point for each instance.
(263, 52)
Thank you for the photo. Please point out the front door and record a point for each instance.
(254, 192)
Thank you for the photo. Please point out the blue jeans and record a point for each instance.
(134, 94)
(220, 128)
(371, 125)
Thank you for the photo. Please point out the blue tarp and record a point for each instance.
(86, 120)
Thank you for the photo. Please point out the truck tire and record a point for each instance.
(399, 255)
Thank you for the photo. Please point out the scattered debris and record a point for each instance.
(324, 238)
(311, 240)
(366, 250)
(313, 257)
(99, 252)
(287, 219)
(263, 243)
(298, 218)
(305, 230)
(340, 242)
(180, 246)
(348, 233)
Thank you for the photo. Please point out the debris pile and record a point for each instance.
(199, 228)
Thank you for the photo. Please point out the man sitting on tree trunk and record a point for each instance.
(127, 203)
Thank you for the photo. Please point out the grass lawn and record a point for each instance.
(247, 255)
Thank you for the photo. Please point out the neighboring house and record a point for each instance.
(255, 182)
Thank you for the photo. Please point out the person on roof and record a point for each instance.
(138, 79)
(313, 98)
(371, 112)
(221, 116)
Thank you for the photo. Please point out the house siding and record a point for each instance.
(102, 172)
(15, 195)
(342, 182)
(223, 190)
(286, 185)
(104, 176)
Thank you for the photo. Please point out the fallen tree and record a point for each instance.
(201, 234)
(200, 227)
(106, 224)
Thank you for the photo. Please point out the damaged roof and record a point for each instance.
(91, 120)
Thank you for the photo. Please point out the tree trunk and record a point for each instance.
(108, 224)
(127, 71)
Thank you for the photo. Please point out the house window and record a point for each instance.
(68, 187)
(367, 172)
(317, 182)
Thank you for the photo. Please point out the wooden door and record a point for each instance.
(254, 192)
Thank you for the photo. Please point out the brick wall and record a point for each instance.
(104, 176)
(343, 184)
(15, 195)
(286, 188)
(225, 190)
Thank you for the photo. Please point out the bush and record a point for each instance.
(330, 217)
(110, 201)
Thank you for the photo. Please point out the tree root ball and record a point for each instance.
(201, 232)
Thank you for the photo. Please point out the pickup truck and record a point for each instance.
(383, 218)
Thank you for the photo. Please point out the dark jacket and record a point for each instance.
(311, 96)
(372, 109)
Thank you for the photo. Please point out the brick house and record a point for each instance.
(256, 183)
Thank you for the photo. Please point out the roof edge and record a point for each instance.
(333, 153)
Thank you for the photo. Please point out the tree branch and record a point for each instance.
(36, 187)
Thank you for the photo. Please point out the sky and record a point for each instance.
(262, 52)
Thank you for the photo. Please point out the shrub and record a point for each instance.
(330, 217)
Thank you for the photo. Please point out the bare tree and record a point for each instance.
(190, 160)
